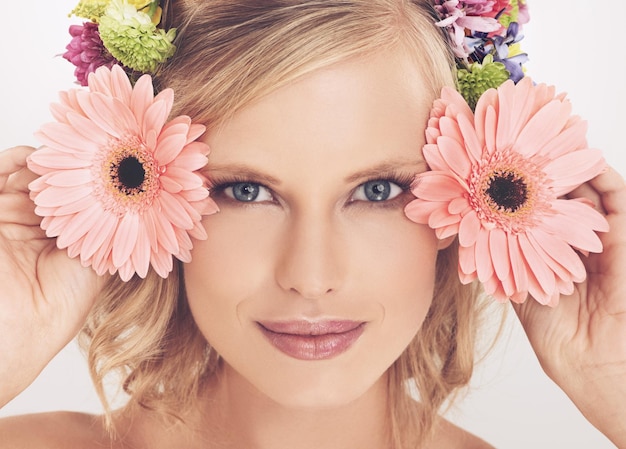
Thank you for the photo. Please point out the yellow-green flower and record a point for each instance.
(152, 9)
(94, 9)
(90, 9)
(133, 39)
(514, 50)
(478, 78)
(139, 4)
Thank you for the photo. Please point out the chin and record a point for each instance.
(319, 397)
(319, 385)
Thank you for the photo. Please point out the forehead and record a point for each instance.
(354, 113)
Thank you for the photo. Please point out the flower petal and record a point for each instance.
(518, 264)
(567, 264)
(141, 98)
(173, 211)
(585, 214)
(542, 273)
(455, 156)
(473, 144)
(169, 147)
(467, 260)
(544, 126)
(79, 225)
(51, 159)
(570, 139)
(125, 239)
(437, 186)
(499, 250)
(419, 210)
(469, 229)
(102, 231)
(572, 169)
(59, 196)
(140, 256)
(70, 178)
(484, 264)
(441, 218)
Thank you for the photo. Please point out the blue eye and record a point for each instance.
(377, 190)
(248, 192)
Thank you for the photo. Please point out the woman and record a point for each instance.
(311, 163)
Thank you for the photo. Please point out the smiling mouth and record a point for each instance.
(305, 340)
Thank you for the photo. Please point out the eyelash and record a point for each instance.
(403, 181)
(217, 186)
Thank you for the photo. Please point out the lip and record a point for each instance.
(312, 340)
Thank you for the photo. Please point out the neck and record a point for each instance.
(251, 420)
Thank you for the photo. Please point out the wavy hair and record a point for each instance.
(229, 53)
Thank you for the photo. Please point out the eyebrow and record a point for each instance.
(387, 167)
(384, 167)
(244, 171)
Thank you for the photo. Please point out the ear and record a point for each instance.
(444, 243)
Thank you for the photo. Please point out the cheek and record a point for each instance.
(404, 284)
(226, 269)
(387, 265)
(384, 258)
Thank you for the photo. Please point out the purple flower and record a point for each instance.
(86, 51)
(514, 63)
(481, 45)
(459, 15)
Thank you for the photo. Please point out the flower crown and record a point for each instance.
(121, 188)
(485, 37)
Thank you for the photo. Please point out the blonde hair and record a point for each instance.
(230, 53)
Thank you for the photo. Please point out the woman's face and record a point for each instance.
(312, 281)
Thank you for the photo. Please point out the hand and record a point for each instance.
(581, 343)
(44, 295)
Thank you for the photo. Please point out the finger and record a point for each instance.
(17, 208)
(611, 187)
(607, 191)
(12, 160)
(588, 192)
(19, 181)
(531, 314)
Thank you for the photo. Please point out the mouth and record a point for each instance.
(317, 340)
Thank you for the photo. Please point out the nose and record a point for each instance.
(312, 261)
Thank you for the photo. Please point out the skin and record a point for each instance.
(309, 248)
(313, 247)
(308, 251)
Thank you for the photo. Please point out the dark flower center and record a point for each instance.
(130, 175)
(507, 190)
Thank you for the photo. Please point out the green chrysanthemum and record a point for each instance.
(478, 78)
(133, 39)
(94, 9)
(90, 9)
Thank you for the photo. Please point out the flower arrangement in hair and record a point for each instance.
(118, 32)
(119, 184)
(505, 154)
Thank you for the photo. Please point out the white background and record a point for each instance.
(576, 45)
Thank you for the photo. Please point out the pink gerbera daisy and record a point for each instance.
(118, 184)
(498, 180)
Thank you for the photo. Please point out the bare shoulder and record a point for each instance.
(451, 436)
(67, 430)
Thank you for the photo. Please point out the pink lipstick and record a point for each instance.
(307, 340)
